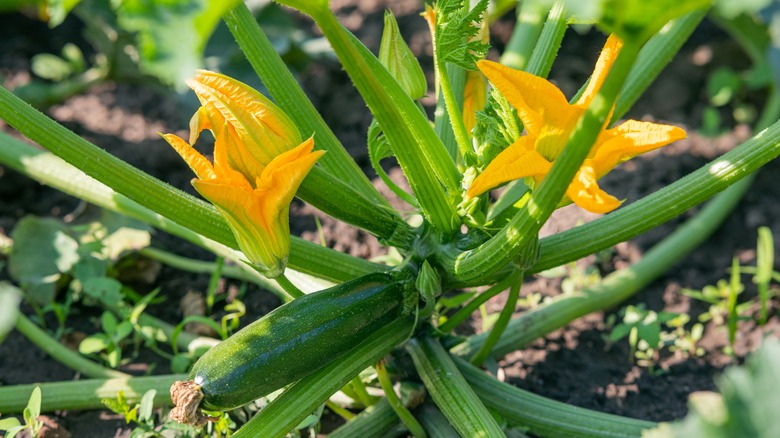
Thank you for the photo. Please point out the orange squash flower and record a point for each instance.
(549, 120)
(258, 165)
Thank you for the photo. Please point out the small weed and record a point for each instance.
(12, 426)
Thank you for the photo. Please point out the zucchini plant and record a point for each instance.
(496, 125)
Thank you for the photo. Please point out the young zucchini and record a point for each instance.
(287, 344)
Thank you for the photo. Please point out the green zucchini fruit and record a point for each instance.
(293, 341)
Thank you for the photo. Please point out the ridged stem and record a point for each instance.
(426, 163)
(530, 19)
(516, 280)
(450, 391)
(87, 394)
(545, 417)
(376, 421)
(617, 286)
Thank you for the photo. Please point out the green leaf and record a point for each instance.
(9, 423)
(122, 330)
(746, 407)
(94, 344)
(722, 85)
(106, 290)
(34, 405)
(171, 35)
(456, 28)
(108, 322)
(147, 405)
(51, 67)
(42, 251)
(10, 297)
(58, 10)
(619, 332)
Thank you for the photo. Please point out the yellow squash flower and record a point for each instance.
(258, 165)
(549, 120)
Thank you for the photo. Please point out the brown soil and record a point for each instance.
(573, 364)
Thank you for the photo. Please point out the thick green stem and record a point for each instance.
(61, 353)
(549, 42)
(406, 417)
(46, 168)
(450, 391)
(431, 172)
(434, 422)
(303, 397)
(545, 417)
(530, 17)
(87, 394)
(503, 319)
(288, 94)
(617, 286)
(376, 421)
(653, 58)
(453, 107)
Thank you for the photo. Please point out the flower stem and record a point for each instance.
(516, 280)
(291, 289)
(463, 313)
(406, 417)
(62, 354)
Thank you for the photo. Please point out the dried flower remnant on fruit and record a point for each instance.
(549, 120)
(186, 397)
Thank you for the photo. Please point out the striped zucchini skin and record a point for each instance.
(295, 339)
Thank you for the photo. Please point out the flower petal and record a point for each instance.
(255, 118)
(474, 98)
(607, 57)
(584, 191)
(283, 175)
(517, 161)
(537, 101)
(197, 162)
(232, 160)
(263, 235)
(630, 139)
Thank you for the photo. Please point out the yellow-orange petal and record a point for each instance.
(537, 101)
(198, 163)
(584, 191)
(474, 98)
(262, 235)
(607, 57)
(282, 177)
(255, 118)
(199, 122)
(232, 160)
(517, 161)
(630, 139)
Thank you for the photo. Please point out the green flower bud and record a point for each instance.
(396, 56)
